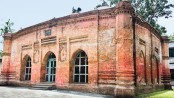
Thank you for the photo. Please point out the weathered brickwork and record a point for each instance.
(124, 57)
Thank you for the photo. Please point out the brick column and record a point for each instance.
(6, 70)
(124, 50)
(6, 52)
(165, 61)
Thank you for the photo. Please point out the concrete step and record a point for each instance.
(44, 86)
(7, 77)
(39, 88)
(46, 83)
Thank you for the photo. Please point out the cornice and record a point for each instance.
(70, 19)
(6, 54)
(94, 15)
(7, 36)
(146, 25)
(124, 7)
(165, 39)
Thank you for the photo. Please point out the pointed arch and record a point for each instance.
(26, 57)
(25, 72)
(48, 68)
(80, 67)
(141, 68)
(45, 59)
(144, 62)
(156, 69)
(76, 53)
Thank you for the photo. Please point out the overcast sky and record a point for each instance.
(26, 13)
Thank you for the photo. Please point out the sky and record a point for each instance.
(25, 13)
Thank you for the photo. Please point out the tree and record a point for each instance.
(171, 37)
(112, 2)
(1, 53)
(7, 28)
(151, 10)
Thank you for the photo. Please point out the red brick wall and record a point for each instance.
(106, 37)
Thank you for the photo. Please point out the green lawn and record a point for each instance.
(159, 94)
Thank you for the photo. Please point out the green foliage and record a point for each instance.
(171, 37)
(159, 94)
(7, 28)
(1, 53)
(151, 10)
(112, 2)
(160, 29)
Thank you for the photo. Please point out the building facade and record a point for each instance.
(171, 59)
(0, 64)
(108, 51)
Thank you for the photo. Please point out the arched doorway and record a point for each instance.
(25, 70)
(28, 69)
(81, 68)
(51, 68)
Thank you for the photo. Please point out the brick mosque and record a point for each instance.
(108, 51)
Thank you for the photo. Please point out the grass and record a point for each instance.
(159, 94)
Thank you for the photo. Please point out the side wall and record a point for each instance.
(148, 60)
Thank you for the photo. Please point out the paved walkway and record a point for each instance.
(12, 92)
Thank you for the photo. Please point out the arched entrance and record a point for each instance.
(25, 71)
(51, 68)
(28, 69)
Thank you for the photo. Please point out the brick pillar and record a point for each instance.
(165, 61)
(6, 70)
(6, 52)
(124, 50)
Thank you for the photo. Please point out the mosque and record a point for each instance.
(107, 51)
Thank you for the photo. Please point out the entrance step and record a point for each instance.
(44, 86)
(8, 76)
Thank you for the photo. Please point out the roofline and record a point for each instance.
(121, 8)
(171, 41)
(62, 20)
